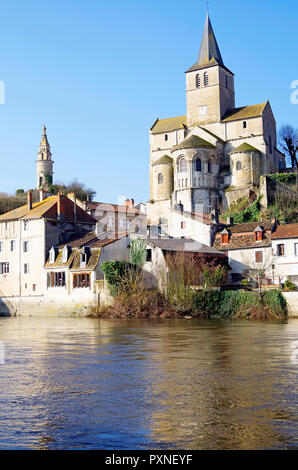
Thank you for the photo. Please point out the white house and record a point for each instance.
(285, 253)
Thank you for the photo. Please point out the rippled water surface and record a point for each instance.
(108, 384)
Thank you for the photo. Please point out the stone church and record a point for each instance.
(216, 153)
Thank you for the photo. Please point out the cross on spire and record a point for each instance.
(207, 3)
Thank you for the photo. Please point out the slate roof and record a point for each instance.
(209, 54)
(186, 245)
(47, 209)
(193, 142)
(245, 112)
(167, 125)
(286, 231)
(245, 148)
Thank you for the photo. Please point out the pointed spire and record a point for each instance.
(209, 51)
(44, 139)
(209, 48)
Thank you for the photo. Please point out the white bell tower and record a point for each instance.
(44, 163)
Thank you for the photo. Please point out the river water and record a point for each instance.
(78, 383)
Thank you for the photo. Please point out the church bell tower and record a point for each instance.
(209, 83)
(44, 163)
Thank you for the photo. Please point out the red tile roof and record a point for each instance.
(104, 206)
(286, 231)
(47, 209)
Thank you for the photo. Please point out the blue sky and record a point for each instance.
(98, 74)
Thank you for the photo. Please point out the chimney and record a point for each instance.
(215, 216)
(129, 202)
(274, 224)
(230, 221)
(59, 198)
(29, 200)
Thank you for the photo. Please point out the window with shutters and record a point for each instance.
(225, 238)
(4, 268)
(259, 256)
(198, 81)
(81, 280)
(206, 79)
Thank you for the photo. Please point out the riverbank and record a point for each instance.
(211, 304)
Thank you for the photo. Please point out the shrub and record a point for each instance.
(239, 304)
(138, 248)
(289, 286)
(115, 272)
(285, 178)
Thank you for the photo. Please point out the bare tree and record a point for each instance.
(288, 141)
(257, 271)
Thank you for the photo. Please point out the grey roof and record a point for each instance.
(209, 47)
(183, 245)
(209, 51)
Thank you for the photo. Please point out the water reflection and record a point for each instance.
(81, 383)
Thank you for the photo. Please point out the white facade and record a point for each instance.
(285, 259)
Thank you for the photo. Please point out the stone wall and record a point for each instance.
(270, 188)
(292, 301)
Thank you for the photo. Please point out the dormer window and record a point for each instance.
(84, 256)
(224, 237)
(258, 234)
(53, 253)
(65, 253)
(198, 81)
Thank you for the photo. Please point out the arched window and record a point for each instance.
(42, 156)
(166, 137)
(244, 124)
(206, 79)
(198, 164)
(209, 166)
(40, 181)
(182, 165)
(198, 81)
(238, 166)
(160, 178)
